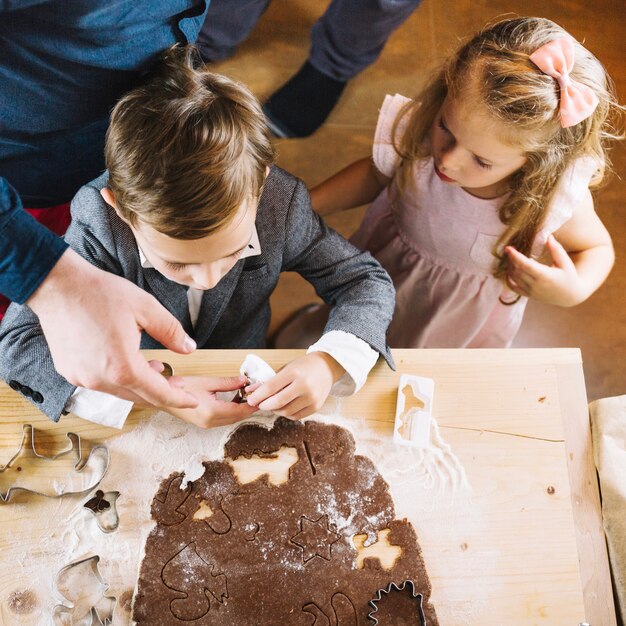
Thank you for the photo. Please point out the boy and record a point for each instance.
(193, 211)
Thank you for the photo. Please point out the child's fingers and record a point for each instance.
(558, 253)
(225, 383)
(513, 286)
(303, 412)
(229, 412)
(279, 400)
(523, 263)
(269, 389)
(522, 281)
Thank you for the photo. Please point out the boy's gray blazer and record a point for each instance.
(236, 312)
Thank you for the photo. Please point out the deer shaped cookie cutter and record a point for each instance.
(28, 470)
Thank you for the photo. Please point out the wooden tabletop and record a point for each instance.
(518, 422)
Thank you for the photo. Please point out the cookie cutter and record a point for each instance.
(102, 506)
(40, 481)
(241, 395)
(256, 370)
(414, 406)
(419, 598)
(82, 585)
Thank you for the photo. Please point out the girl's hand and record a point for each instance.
(210, 411)
(557, 284)
(300, 388)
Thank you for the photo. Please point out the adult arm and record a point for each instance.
(14, 5)
(28, 250)
(91, 319)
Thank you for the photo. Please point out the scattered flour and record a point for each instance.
(429, 488)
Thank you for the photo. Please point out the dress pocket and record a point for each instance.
(482, 251)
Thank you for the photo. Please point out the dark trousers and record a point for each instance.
(345, 40)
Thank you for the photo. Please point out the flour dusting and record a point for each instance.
(424, 482)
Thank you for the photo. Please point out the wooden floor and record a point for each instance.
(279, 45)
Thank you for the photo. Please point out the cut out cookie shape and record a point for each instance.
(275, 466)
(386, 553)
(67, 472)
(166, 507)
(268, 554)
(343, 612)
(398, 604)
(82, 586)
(315, 538)
(198, 593)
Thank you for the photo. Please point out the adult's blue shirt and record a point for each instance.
(28, 250)
(63, 65)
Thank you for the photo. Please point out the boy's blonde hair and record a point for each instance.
(186, 149)
(493, 70)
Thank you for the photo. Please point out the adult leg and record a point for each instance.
(346, 39)
(226, 25)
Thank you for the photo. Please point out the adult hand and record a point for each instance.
(210, 411)
(558, 283)
(300, 388)
(92, 321)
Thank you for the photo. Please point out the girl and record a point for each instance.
(488, 169)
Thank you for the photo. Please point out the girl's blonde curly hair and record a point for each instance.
(493, 68)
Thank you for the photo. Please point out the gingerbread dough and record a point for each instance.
(279, 555)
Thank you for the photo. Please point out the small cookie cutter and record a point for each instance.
(102, 505)
(74, 579)
(168, 370)
(256, 370)
(241, 395)
(414, 407)
(392, 586)
(27, 454)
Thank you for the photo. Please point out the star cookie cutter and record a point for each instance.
(83, 588)
(67, 472)
(418, 597)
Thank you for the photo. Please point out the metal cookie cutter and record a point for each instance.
(241, 395)
(168, 370)
(419, 598)
(82, 586)
(67, 472)
(104, 509)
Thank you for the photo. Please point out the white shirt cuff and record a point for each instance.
(99, 407)
(353, 354)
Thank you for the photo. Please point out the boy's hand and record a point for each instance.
(300, 388)
(210, 411)
(557, 284)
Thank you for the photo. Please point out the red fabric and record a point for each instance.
(57, 219)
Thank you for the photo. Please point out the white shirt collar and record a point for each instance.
(253, 249)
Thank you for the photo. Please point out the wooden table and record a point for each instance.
(517, 420)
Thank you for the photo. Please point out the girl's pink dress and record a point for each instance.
(437, 242)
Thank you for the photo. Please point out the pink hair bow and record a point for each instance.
(556, 59)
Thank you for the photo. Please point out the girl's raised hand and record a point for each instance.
(558, 283)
